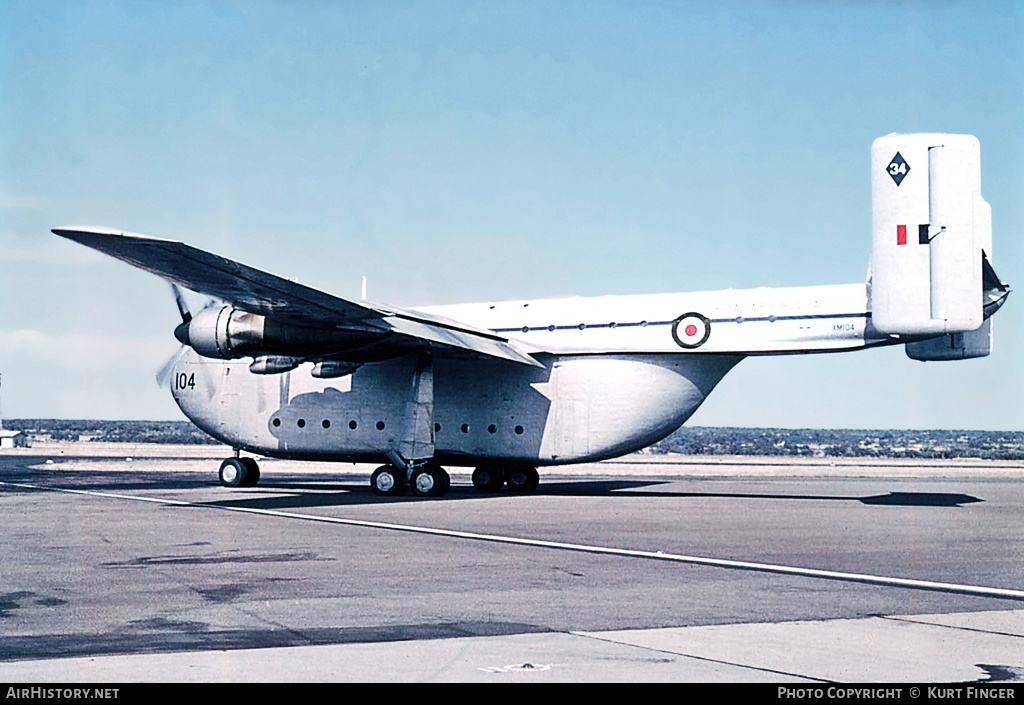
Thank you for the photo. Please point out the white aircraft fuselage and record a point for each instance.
(616, 377)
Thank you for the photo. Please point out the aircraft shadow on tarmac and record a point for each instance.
(342, 490)
(333, 493)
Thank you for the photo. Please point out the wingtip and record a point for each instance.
(77, 232)
(70, 231)
(89, 229)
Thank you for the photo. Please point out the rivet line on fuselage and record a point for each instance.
(645, 324)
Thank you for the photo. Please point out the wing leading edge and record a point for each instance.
(288, 302)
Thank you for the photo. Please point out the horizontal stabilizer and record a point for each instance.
(969, 344)
(954, 346)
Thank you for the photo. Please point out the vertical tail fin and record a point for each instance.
(931, 232)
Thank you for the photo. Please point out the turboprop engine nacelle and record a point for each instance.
(228, 333)
(221, 332)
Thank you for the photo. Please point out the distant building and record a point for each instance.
(13, 439)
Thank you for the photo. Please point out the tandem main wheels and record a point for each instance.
(490, 478)
(431, 480)
(427, 480)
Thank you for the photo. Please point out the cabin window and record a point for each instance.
(352, 424)
(301, 423)
(492, 429)
(519, 430)
(380, 425)
(326, 424)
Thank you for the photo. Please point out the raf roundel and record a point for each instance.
(691, 330)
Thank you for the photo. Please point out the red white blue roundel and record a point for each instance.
(691, 330)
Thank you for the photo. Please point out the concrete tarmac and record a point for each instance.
(128, 563)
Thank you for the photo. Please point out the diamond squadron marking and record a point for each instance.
(898, 168)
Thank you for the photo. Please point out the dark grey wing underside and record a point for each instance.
(204, 272)
(286, 301)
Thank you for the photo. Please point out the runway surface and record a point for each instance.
(125, 563)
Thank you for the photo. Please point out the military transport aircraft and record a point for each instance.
(278, 369)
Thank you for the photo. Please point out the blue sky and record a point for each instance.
(468, 151)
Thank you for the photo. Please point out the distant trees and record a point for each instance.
(689, 440)
(180, 432)
(989, 445)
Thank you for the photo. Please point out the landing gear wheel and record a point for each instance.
(233, 473)
(252, 472)
(430, 481)
(388, 481)
(522, 479)
(488, 478)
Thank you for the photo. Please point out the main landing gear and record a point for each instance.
(490, 478)
(431, 480)
(428, 480)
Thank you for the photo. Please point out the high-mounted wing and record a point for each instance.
(286, 302)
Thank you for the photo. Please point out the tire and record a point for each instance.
(430, 481)
(252, 468)
(233, 473)
(388, 481)
(488, 478)
(522, 479)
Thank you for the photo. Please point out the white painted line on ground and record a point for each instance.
(908, 583)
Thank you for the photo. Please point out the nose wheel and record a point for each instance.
(239, 472)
